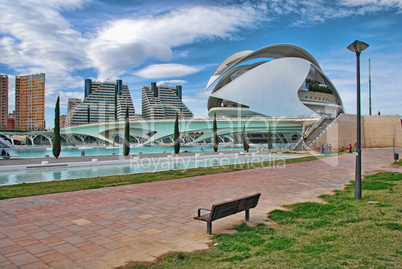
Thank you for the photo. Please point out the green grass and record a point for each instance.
(399, 162)
(340, 233)
(31, 189)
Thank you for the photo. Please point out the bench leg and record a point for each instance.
(247, 215)
(209, 227)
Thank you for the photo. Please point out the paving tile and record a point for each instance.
(35, 265)
(79, 256)
(89, 247)
(74, 228)
(130, 232)
(63, 264)
(15, 235)
(41, 235)
(145, 216)
(11, 250)
(74, 239)
(26, 241)
(51, 257)
(100, 240)
(52, 228)
(106, 232)
(6, 242)
(65, 248)
(2, 258)
(46, 253)
(103, 222)
(30, 228)
(63, 233)
(151, 231)
(64, 222)
(52, 241)
(23, 259)
(95, 263)
(7, 265)
(81, 222)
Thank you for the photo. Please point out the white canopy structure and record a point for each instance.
(291, 84)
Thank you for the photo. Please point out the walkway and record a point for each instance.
(106, 228)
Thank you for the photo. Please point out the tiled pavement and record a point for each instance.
(108, 227)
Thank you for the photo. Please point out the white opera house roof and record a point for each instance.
(280, 80)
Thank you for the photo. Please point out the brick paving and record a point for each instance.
(105, 228)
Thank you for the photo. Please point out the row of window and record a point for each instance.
(319, 98)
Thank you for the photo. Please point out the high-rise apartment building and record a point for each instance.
(163, 102)
(30, 102)
(103, 102)
(3, 101)
(72, 102)
(11, 121)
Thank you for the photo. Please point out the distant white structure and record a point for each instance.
(290, 85)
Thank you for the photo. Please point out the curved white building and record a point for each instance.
(287, 82)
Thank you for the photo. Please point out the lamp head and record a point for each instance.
(358, 46)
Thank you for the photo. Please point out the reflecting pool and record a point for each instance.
(141, 165)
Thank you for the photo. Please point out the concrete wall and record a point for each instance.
(377, 132)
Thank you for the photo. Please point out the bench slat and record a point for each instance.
(228, 208)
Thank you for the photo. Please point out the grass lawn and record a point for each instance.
(31, 189)
(341, 233)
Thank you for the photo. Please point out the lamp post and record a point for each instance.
(369, 88)
(357, 47)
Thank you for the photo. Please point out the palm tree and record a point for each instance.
(56, 138)
(126, 143)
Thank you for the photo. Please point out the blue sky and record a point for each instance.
(182, 42)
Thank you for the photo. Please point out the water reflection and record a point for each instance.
(143, 165)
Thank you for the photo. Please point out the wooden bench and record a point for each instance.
(228, 208)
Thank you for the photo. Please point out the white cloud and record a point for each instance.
(375, 3)
(181, 26)
(32, 43)
(166, 70)
(35, 38)
(123, 44)
(307, 13)
(112, 59)
(171, 82)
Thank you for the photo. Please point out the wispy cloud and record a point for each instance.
(308, 13)
(123, 44)
(171, 82)
(166, 70)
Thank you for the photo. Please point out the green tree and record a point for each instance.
(269, 137)
(176, 135)
(244, 138)
(126, 143)
(215, 130)
(56, 138)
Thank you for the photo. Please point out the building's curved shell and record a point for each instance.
(273, 88)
